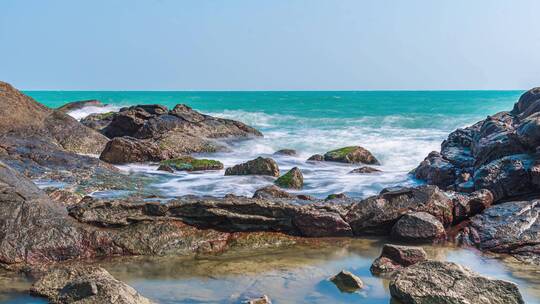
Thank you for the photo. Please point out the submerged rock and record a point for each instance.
(262, 300)
(77, 105)
(288, 152)
(188, 163)
(336, 196)
(446, 282)
(258, 166)
(364, 170)
(85, 284)
(395, 257)
(352, 154)
(316, 157)
(292, 179)
(345, 281)
(418, 227)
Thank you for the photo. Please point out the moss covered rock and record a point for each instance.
(352, 154)
(292, 179)
(188, 163)
(258, 166)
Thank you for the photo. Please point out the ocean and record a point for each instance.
(399, 127)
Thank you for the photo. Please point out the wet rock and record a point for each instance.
(336, 196)
(272, 191)
(98, 121)
(394, 257)
(446, 282)
(345, 281)
(316, 157)
(77, 105)
(436, 170)
(364, 170)
(418, 227)
(166, 168)
(292, 179)
(526, 100)
(377, 214)
(126, 149)
(512, 227)
(188, 163)
(258, 166)
(352, 154)
(288, 152)
(85, 284)
(466, 206)
(262, 300)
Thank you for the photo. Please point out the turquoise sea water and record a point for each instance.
(399, 127)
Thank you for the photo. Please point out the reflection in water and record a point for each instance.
(298, 274)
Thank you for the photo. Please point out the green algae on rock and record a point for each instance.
(351, 154)
(188, 163)
(292, 179)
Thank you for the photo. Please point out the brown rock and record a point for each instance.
(352, 154)
(345, 281)
(77, 105)
(316, 157)
(364, 170)
(418, 227)
(292, 179)
(394, 257)
(258, 166)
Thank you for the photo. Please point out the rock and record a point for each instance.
(77, 105)
(262, 300)
(466, 206)
(447, 282)
(347, 282)
(364, 170)
(188, 163)
(288, 152)
(377, 214)
(274, 191)
(121, 150)
(292, 179)
(258, 166)
(166, 168)
(394, 257)
(98, 121)
(418, 227)
(63, 196)
(336, 196)
(316, 157)
(85, 284)
(512, 227)
(352, 154)
(497, 153)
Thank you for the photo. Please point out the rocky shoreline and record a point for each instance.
(482, 191)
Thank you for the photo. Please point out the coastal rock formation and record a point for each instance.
(395, 257)
(446, 282)
(77, 105)
(512, 227)
(179, 131)
(85, 284)
(188, 163)
(418, 227)
(127, 149)
(352, 155)
(345, 281)
(288, 152)
(466, 206)
(377, 215)
(498, 154)
(292, 179)
(364, 170)
(258, 166)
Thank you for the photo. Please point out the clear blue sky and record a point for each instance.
(270, 45)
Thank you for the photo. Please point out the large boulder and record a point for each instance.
(496, 153)
(352, 154)
(395, 257)
(418, 227)
(85, 284)
(126, 149)
(258, 166)
(292, 179)
(447, 282)
(377, 215)
(77, 105)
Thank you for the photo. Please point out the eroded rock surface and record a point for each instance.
(446, 282)
(395, 257)
(258, 166)
(85, 284)
(345, 281)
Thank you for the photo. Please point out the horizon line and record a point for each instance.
(277, 91)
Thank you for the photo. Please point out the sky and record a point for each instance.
(270, 45)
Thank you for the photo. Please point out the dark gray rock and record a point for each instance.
(288, 152)
(418, 227)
